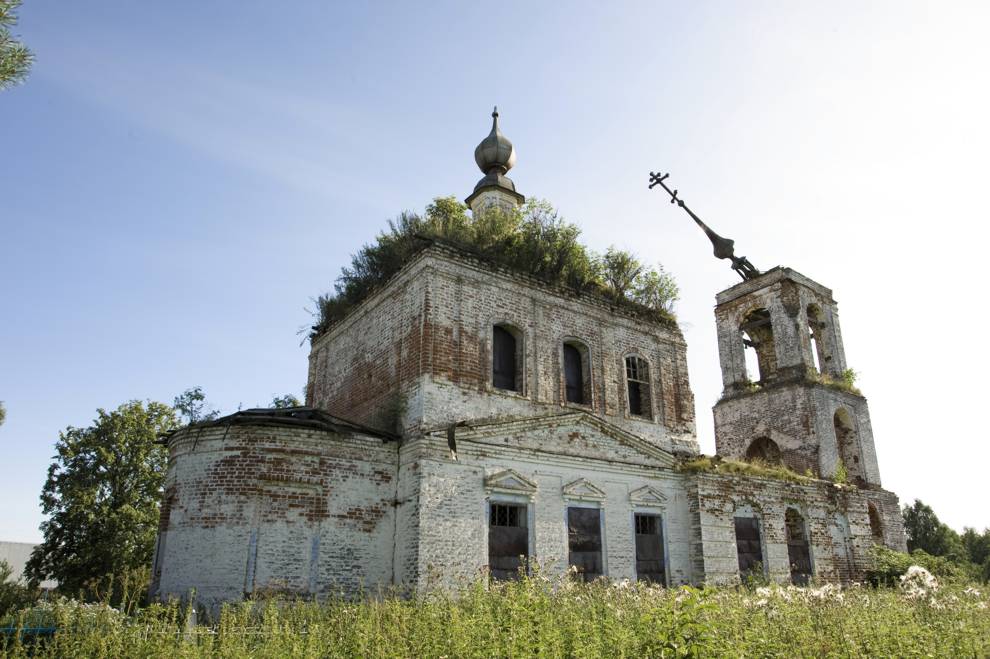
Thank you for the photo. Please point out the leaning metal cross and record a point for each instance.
(723, 246)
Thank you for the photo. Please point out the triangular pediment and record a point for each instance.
(648, 496)
(583, 489)
(562, 434)
(509, 481)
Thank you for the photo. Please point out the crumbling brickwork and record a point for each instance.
(305, 502)
(419, 352)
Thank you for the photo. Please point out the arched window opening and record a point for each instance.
(763, 449)
(638, 386)
(757, 334)
(848, 445)
(816, 326)
(506, 358)
(577, 376)
(876, 526)
(798, 552)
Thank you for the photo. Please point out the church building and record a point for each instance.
(469, 421)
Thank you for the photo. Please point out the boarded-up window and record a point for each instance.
(573, 374)
(504, 359)
(649, 549)
(748, 546)
(508, 540)
(798, 553)
(584, 541)
(638, 386)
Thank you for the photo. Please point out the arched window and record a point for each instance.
(576, 382)
(876, 525)
(506, 358)
(758, 334)
(798, 553)
(638, 386)
(763, 449)
(816, 325)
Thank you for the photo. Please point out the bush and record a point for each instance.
(533, 240)
(888, 566)
(14, 595)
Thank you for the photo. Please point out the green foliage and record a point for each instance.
(970, 552)
(841, 475)
(3, 413)
(536, 617)
(845, 383)
(14, 594)
(15, 58)
(532, 239)
(191, 405)
(756, 468)
(102, 496)
(887, 566)
(282, 402)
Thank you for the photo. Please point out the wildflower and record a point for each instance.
(972, 592)
(918, 582)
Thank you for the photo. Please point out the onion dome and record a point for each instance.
(495, 156)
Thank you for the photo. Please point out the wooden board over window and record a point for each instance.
(649, 549)
(748, 546)
(584, 541)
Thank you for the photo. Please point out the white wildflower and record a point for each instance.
(918, 582)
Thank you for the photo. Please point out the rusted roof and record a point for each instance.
(298, 417)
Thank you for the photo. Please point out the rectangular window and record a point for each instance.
(649, 549)
(748, 546)
(584, 541)
(508, 540)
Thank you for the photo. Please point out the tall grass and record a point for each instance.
(539, 617)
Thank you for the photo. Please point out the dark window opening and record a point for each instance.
(649, 549)
(748, 547)
(573, 374)
(798, 552)
(763, 449)
(876, 526)
(847, 442)
(758, 335)
(504, 358)
(638, 386)
(584, 542)
(508, 541)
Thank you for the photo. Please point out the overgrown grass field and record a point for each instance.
(537, 617)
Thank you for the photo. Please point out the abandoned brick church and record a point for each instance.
(467, 419)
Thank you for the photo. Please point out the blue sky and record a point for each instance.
(178, 180)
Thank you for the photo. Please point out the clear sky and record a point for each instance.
(178, 180)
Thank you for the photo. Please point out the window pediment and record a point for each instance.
(510, 481)
(583, 490)
(648, 496)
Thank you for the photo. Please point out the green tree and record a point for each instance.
(3, 413)
(282, 402)
(15, 58)
(102, 496)
(926, 532)
(14, 593)
(191, 405)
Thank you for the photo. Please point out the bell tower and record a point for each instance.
(495, 156)
(794, 403)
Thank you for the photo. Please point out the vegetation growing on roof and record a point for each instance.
(756, 468)
(533, 239)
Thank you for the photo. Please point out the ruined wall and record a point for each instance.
(424, 344)
(837, 524)
(251, 508)
(800, 419)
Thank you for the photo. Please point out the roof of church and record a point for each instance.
(297, 417)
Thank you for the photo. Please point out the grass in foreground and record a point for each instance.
(544, 618)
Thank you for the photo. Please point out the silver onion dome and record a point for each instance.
(495, 154)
